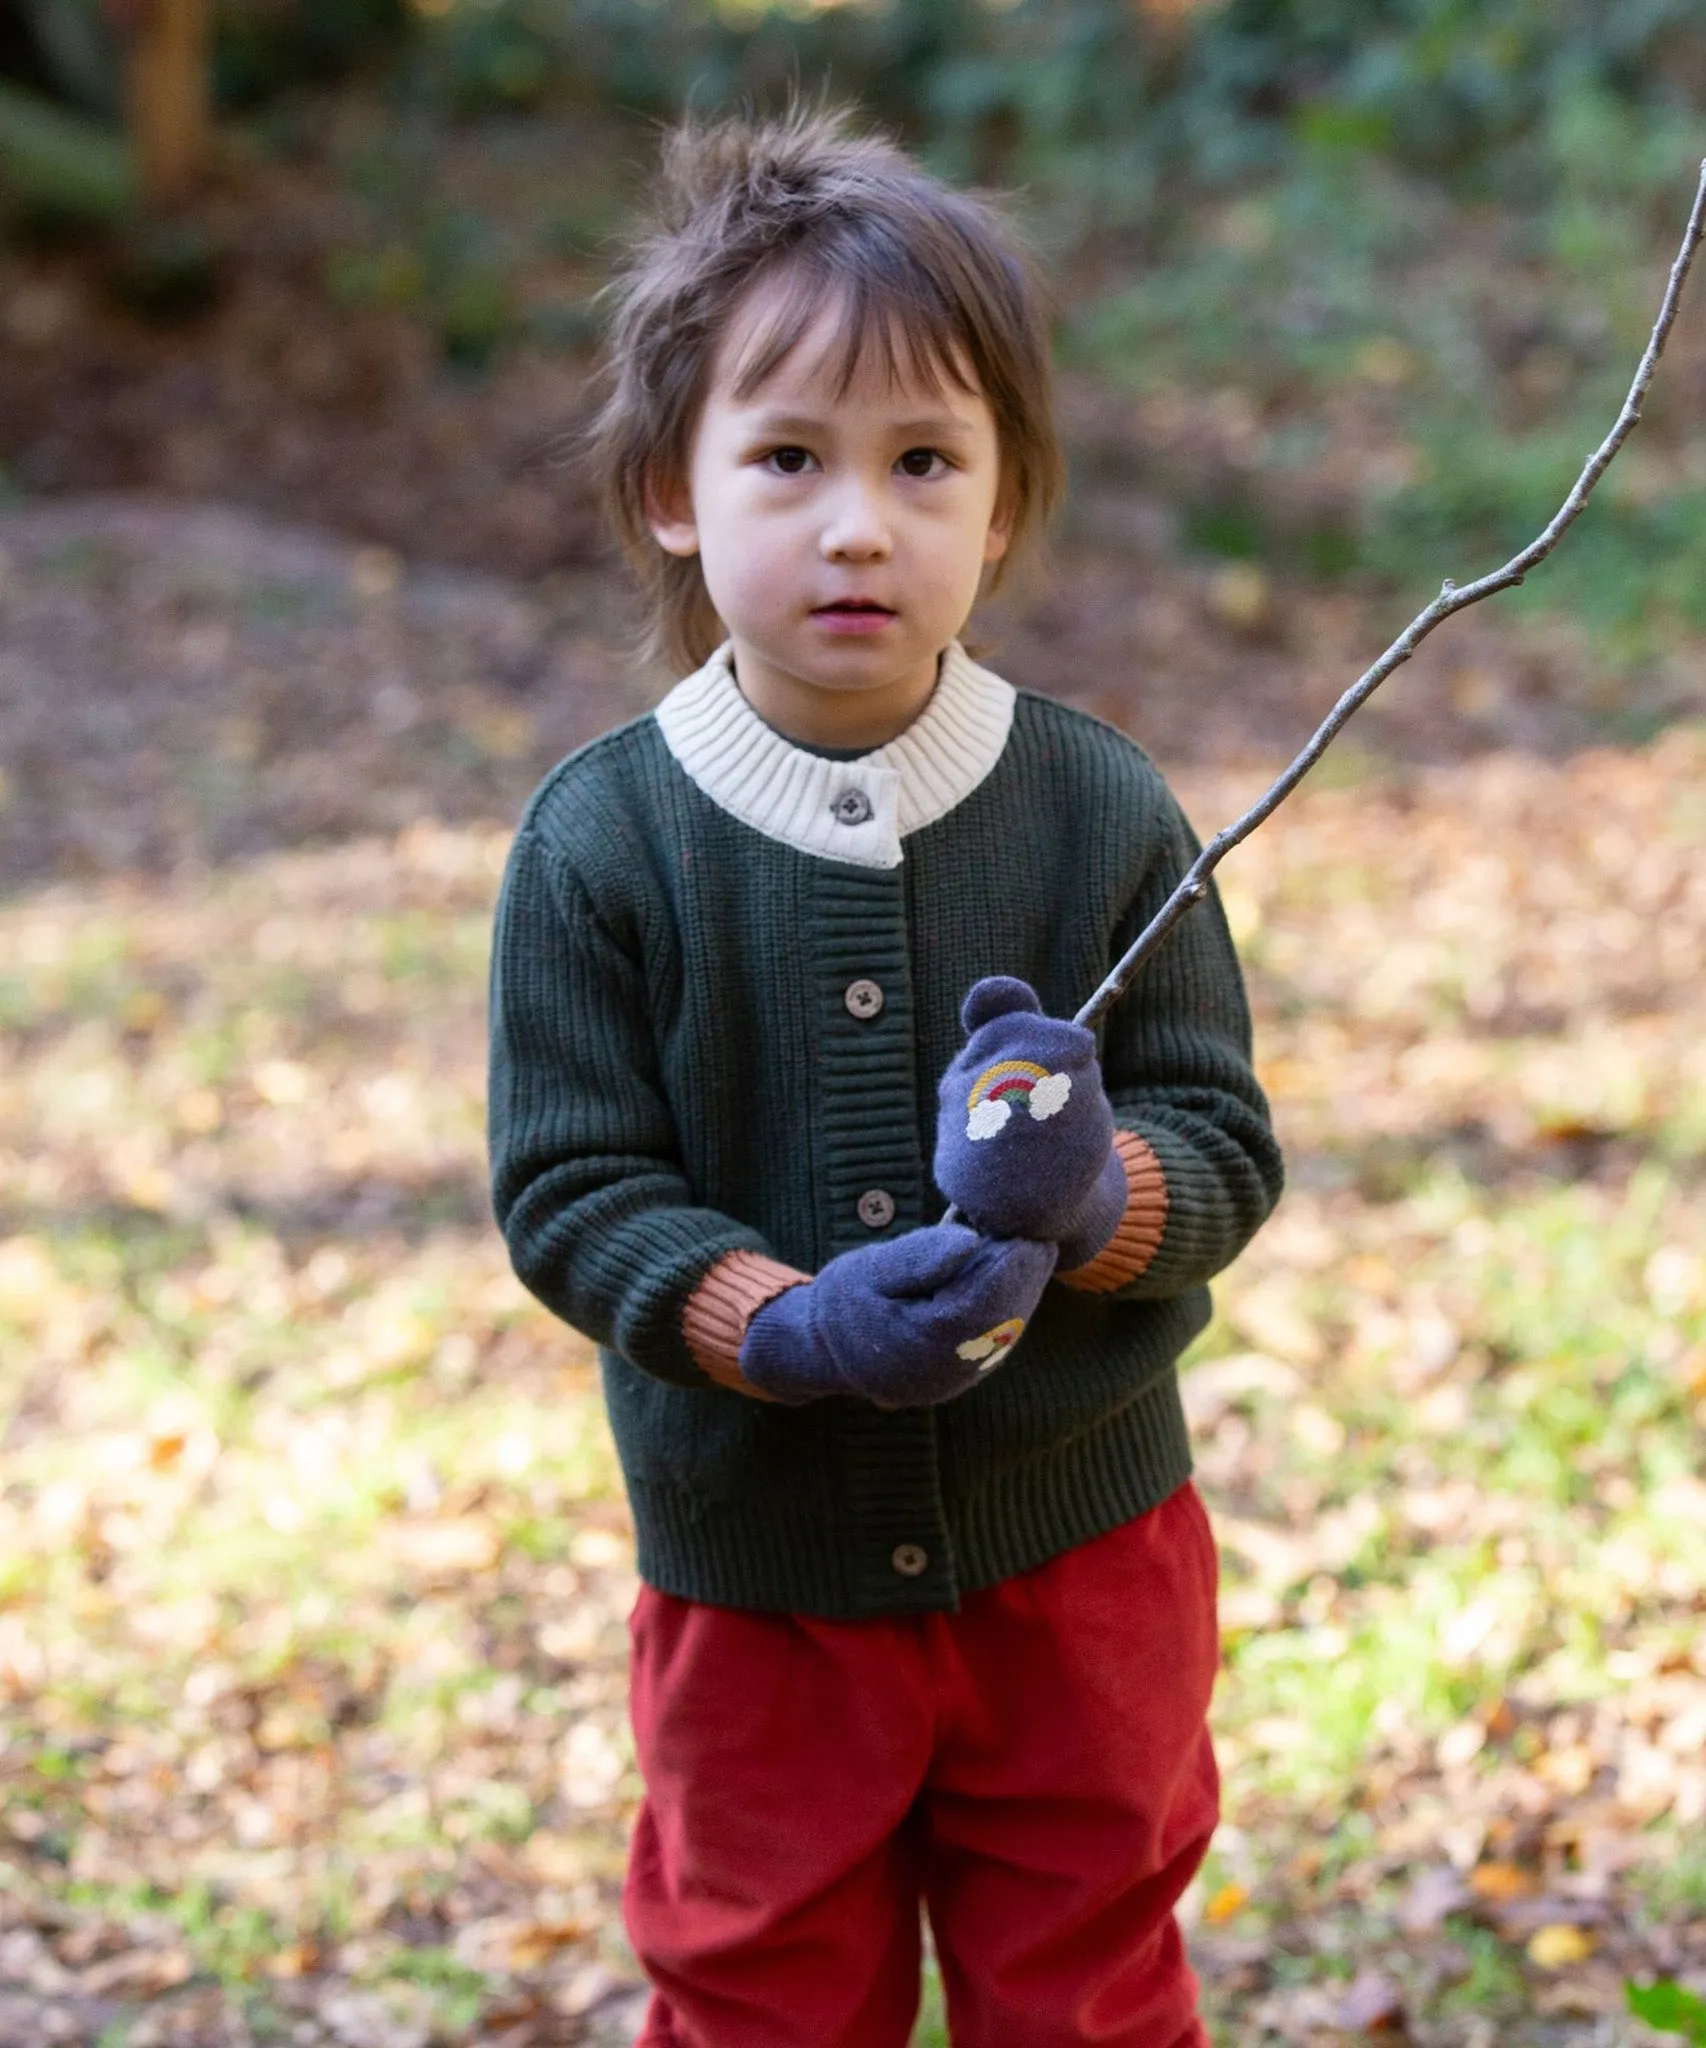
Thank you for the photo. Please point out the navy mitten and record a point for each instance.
(907, 1322)
(1024, 1133)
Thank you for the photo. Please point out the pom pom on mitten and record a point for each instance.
(1024, 1131)
(906, 1323)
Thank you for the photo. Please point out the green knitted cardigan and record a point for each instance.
(681, 1068)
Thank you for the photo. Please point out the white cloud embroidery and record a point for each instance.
(1049, 1096)
(988, 1117)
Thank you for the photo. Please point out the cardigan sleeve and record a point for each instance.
(587, 1181)
(1205, 1169)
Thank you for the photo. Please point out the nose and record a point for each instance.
(855, 530)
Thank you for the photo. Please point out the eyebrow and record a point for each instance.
(938, 426)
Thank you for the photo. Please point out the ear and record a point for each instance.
(1001, 521)
(669, 514)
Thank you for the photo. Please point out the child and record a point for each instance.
(928, 1611)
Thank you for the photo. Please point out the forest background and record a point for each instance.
(313, 1560)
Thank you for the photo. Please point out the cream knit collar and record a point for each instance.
(856, 811)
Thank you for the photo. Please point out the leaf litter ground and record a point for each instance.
(313, 1562)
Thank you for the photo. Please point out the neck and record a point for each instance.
(813, 716)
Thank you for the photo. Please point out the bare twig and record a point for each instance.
(1193, 887)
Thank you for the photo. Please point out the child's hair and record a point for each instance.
(930, 277)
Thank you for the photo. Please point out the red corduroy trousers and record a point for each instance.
(1035, 1769)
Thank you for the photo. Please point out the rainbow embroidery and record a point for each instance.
(997, 1088)
(987, 1351)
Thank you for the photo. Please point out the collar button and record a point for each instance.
(852, 807)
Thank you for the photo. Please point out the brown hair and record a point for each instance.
(930, 277)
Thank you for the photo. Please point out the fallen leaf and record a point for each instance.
(1372, 2005)
(592, 1986)
(1460, 1745)
(296, 1959)
(145, 1011)
(1229, 1901)
(596, 1549)
(449, 1547)
(1557, 1945)
(536, 1941)
(555, 1859)
(1519, 1919)
(138, 1973)
(1296, 2011)
(1593, 1991)
(506, 1942)
(1240, 596)
(1434, 1895)
(1495, 1881)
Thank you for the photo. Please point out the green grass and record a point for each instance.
(1492, 1984)
(1562, 1431)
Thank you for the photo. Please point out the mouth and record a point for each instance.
(854, 614)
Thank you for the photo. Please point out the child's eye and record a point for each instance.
(921, 462)
(789, 461)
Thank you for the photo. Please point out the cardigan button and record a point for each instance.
(864, 1000)
(911, 1560)
(876, 1208)
(852, 807)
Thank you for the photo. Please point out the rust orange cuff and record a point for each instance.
(1137, 1236)
(716, 1313)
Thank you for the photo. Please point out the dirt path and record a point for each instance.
(188, 683)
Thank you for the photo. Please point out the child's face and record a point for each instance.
(842, 535)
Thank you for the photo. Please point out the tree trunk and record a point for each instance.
(169, 99)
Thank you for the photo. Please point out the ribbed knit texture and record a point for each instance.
(676, 1075)
(1137, 1236)
(716, 1313)
(783, 791)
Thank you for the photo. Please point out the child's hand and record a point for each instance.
(1024, 1133)
(906, 1323)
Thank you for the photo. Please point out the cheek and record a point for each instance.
(968, 558)
(745, 563)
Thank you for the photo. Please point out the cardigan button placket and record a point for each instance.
(870, 1183)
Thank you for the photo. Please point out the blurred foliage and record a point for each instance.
(264, 45)
(443, 262)
(56, 165)
(1105, 100)
(1110, 102)
(1345, 143)
(1437, 219)
(1475, 357)
(261, 46)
